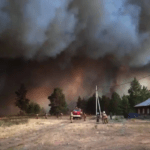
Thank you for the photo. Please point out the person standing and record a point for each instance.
(37, 116)
(84, 116)
(61, 114)
(104, 116)
(71, 116)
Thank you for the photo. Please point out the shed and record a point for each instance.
(143, 108)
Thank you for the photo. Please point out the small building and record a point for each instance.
(143, 108)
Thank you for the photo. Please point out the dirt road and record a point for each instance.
(63, 135)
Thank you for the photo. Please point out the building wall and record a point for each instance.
(143, 110)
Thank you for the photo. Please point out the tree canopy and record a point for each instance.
(21, 101)
(91, 103)
(82, 103)
(125, 106)
(104, 102)
(57, 102)
(134, 93)
(79, 102)
(33, 108)
(137, 94)
(115, 103)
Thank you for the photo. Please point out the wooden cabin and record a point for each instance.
(143, 108)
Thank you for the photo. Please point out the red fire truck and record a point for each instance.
(77, 113)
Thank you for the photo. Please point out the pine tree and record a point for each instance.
(83, 105)
(21, 101)
(145, 94)
(114, 105)
(79, 102)
(125, 106)
(134, 94)
(104, 103)
(91, 105)
(57, 102)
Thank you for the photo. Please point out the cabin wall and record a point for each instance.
(143, 110)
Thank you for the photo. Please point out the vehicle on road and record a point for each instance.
(77, 113)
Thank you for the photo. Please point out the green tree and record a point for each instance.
(125, 106)
(83, 105)
(91, 105)
(137, 94)
(115, 102)
(30, 109)
(57, 102)
(37, 108)
(134, 93)
(145, 94)
(21, 101)
(104, 102)
(33, 108)
(79, 102)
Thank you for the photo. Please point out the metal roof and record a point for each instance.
(145, 103)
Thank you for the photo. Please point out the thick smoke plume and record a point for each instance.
(73, 44)
(30, 29)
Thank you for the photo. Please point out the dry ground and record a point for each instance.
(60, 134)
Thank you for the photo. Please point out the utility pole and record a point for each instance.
(96, 99)
(99, 106)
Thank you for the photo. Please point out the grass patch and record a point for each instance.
(133, 119)
(12, 121)
(118, 119)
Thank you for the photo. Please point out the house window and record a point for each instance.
(143, 111)
(138, 111)
(147, 110)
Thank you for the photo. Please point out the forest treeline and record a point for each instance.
(115, 104)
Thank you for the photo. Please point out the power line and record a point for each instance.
(126, 82)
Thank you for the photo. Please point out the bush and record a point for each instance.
(33, 108)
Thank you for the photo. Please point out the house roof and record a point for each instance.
(145, 103)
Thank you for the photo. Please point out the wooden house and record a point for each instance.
(143, 108)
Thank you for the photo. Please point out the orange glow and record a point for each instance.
(74, 88)
(40, 95)
(71, 88)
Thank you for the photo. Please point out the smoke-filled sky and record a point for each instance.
(72, 44)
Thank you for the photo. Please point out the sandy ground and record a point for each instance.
(60, 134)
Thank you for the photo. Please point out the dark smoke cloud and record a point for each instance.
(82, 22)
(26, 38)
(73, 44)
(144, 23)
(141, 57)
